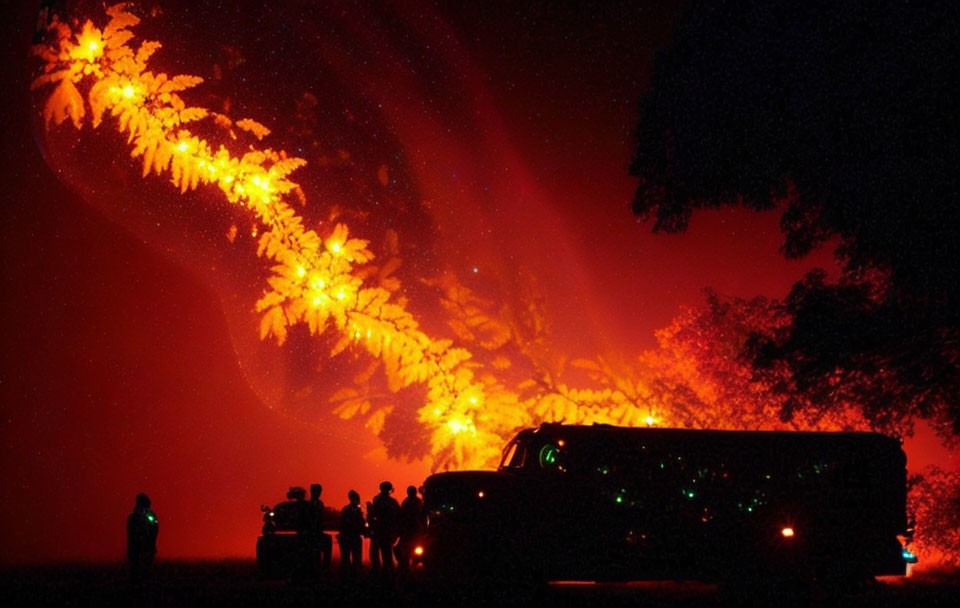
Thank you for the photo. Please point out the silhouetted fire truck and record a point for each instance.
(607, 503)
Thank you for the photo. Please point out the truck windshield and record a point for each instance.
(513, 456)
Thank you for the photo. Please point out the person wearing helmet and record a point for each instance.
(350, 538)
(385, 513)
(142, 530)
(411, 525)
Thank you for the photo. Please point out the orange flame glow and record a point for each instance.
(468, 408)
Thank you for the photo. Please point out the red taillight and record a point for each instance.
(787, 532)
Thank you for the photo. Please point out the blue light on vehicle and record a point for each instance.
(908, 557)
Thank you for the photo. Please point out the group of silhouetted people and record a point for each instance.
(393, 529)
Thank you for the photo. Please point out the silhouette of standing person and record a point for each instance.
(142, 530)
(350, 538)
(320, 543)
(411, 524)
(374, 555)
(385, 515)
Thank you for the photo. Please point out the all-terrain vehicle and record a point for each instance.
(288, 544)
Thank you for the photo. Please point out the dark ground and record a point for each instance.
(236, 583)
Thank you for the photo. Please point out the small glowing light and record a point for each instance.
(151, 518)
(301, 271)
(93, 45)
(316, 301)
(336, 247)
(357, 335)
(561, 443)
(318, 283)
(129, 91)
(908, 556)
(227, 178)
(341, 295)
(271, 513)
(619, 499)
(475, 270)
(473, 400)
(650, 420)
(182, 146)
(787, 532)
(418, 550)
(480, 494)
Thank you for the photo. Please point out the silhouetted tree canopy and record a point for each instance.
(844, 116)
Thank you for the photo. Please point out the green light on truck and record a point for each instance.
(548, 455)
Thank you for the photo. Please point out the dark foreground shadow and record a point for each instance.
(236, 583)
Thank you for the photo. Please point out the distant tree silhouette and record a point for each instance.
(843, 115)
(702, 372)
(934, 501)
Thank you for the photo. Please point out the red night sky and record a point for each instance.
(121, 372)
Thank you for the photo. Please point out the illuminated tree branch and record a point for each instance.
(468, 408)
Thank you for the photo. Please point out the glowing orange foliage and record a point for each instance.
(314, 278)
(324, 281)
